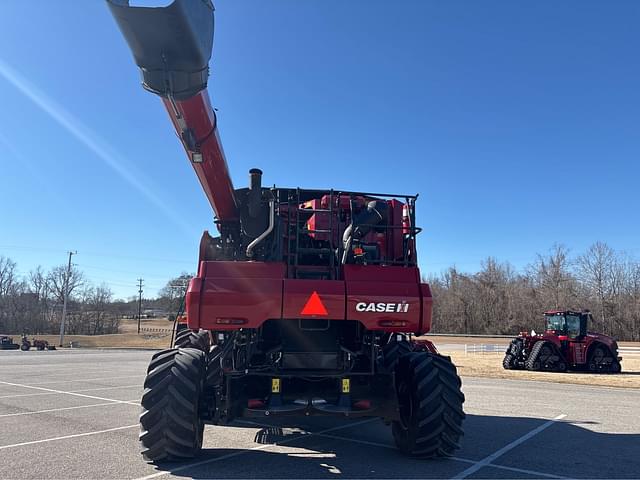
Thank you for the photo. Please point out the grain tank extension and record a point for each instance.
(305, 302)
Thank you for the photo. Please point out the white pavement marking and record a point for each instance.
(533, 473)
(67, 393)
(70, 391)
(249, 450)
(488, 460)
(76, 435)
(117, 402)
(95, 379)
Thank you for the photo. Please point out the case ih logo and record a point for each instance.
(383, 307)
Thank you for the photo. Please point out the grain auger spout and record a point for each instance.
(172, 46)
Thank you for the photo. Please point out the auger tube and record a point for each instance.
(172, 46)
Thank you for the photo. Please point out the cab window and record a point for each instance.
(573, 325)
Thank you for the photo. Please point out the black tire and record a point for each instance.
(430, 402)
(170, 425)
(25, 347)
(214, 367)
(393, 351)
(191, 339)
(509, 362)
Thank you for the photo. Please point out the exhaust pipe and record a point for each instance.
(171, 45)
(254, 199)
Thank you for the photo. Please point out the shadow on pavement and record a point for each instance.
(565, 449)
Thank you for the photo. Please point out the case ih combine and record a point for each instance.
(305, 303)
(565, 345)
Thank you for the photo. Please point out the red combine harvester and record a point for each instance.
(306, 303)
(565, 345)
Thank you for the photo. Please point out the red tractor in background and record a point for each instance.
(565, 345)
(307, 302)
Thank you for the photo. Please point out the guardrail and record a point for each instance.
(482, 348)
(628, 351)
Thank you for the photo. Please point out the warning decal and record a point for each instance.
(314, 306)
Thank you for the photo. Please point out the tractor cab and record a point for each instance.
(569, 324)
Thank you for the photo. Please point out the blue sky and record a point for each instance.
(517, 122)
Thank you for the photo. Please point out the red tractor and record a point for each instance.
(306, 302)
(565, 345)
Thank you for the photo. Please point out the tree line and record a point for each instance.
(32, 303)
(498, 299)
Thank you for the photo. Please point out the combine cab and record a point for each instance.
(306, 301)
(565, 345)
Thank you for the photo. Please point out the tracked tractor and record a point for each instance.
(565, 345)
(305, 301)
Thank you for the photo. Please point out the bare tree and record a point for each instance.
(57, 278)
(596, 270)
(553, 278)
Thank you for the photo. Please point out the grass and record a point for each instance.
(490, 365)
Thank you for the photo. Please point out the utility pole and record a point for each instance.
(65, 295)
(140, 280)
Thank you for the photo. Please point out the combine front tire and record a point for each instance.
(393, 350)
(430, 402)
(170, 424)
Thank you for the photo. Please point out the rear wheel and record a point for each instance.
(170, 425)
(430, 402)
(191, 339)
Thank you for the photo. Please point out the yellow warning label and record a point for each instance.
(346, 385)
(275, 385)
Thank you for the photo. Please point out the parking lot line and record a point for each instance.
(489, 459)
(95, 379)
(116, 402)
(384, 445)
(249, 450)
(70, 391)
(76, 435)
(66, 393)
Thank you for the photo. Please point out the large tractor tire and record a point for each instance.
(214, 366)
(25, 347)
(191, 339)
(171, 428)
(602, 361)
(393, 350)
(545, 357)
(430, 402)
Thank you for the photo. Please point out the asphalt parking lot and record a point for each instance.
(73, 414)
